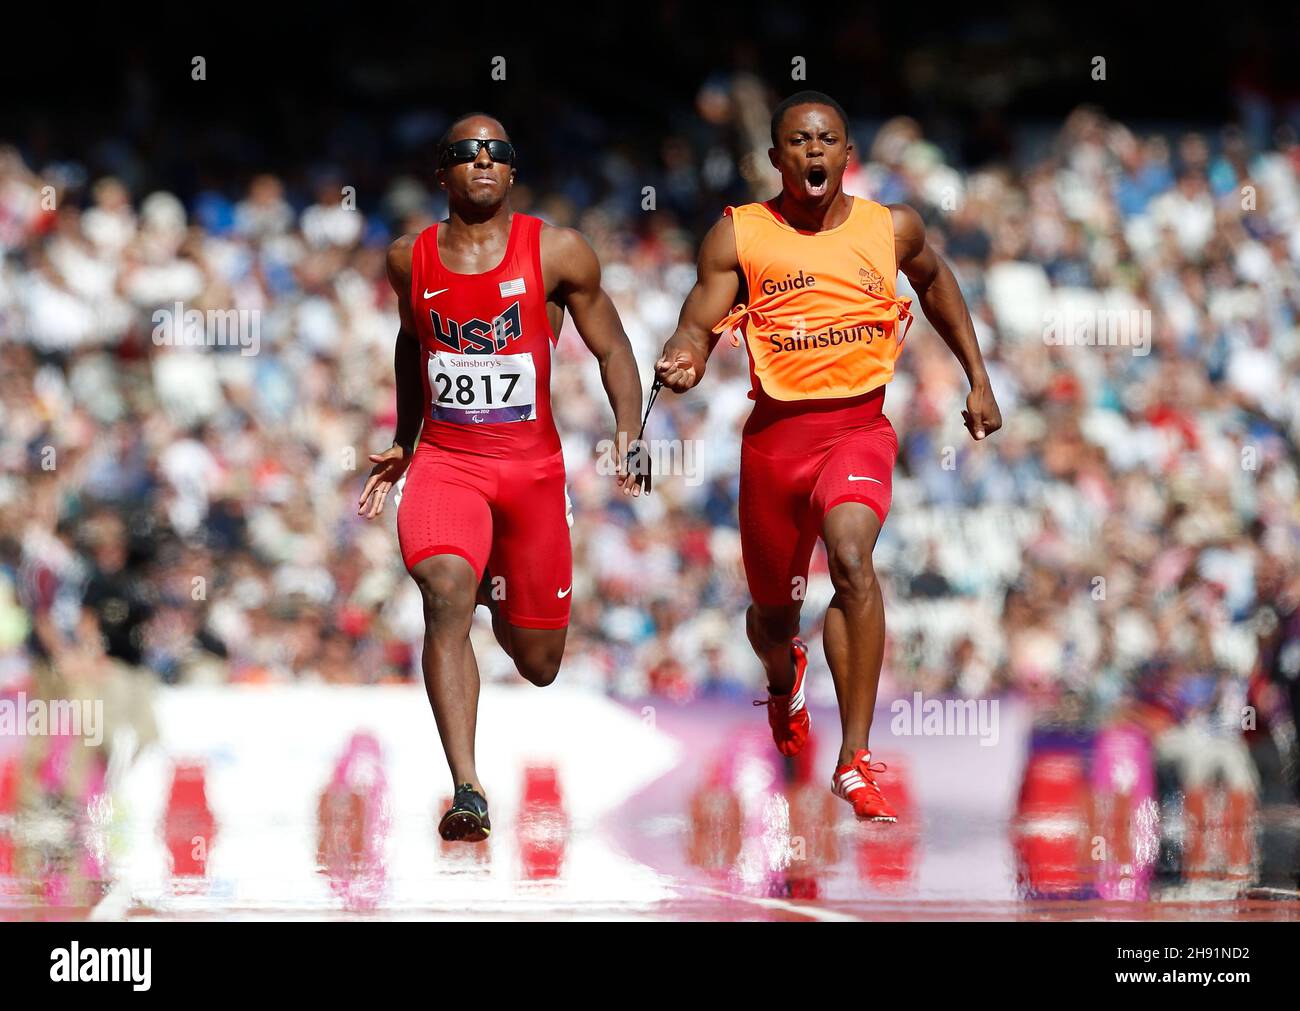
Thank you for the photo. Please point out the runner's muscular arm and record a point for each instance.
(392, 462)
(406, 353)
(717, 284)
(577, 285)
(940, 299)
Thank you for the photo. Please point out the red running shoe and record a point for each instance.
(787, 714)
(855, 782)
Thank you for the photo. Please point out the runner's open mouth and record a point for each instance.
(816, 180)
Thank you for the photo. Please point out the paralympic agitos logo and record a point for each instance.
(478, 336)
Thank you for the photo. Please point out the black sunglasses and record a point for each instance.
(460, 151)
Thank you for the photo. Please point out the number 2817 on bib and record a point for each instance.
(482, 390)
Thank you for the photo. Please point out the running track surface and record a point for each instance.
(321, 803)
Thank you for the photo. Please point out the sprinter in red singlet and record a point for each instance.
(483, 514)
(814, 269)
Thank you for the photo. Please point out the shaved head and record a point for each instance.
(473, 124)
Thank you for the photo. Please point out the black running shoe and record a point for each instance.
(467, 818)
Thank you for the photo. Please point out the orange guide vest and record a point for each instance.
(823, 319)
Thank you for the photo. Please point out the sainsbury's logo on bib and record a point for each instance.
(831, 337)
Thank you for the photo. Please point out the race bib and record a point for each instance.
(482, 389)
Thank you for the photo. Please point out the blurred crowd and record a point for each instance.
(1128, 545)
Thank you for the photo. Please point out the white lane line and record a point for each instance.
(784, 905)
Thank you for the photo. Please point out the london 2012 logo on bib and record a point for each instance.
(478, 336)
(871, 280)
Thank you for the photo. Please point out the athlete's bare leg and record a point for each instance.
(854, 635)
(537, 652)
(770, 631)
(451, 679)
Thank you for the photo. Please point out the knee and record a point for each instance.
(539, 668)
(771, 626)
(445, 593)
(537, 653)
(852, 573)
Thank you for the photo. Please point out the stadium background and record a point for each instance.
(1172, 476)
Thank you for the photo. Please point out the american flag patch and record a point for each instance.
(515, 287)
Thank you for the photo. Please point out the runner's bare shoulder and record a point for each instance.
(567, 256)
(718, 250)
(399, 263)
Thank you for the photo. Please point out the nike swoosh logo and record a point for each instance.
(563, 593)
(854, 477)
(430, 294)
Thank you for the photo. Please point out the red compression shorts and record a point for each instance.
(798, 461)
(505, 515)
